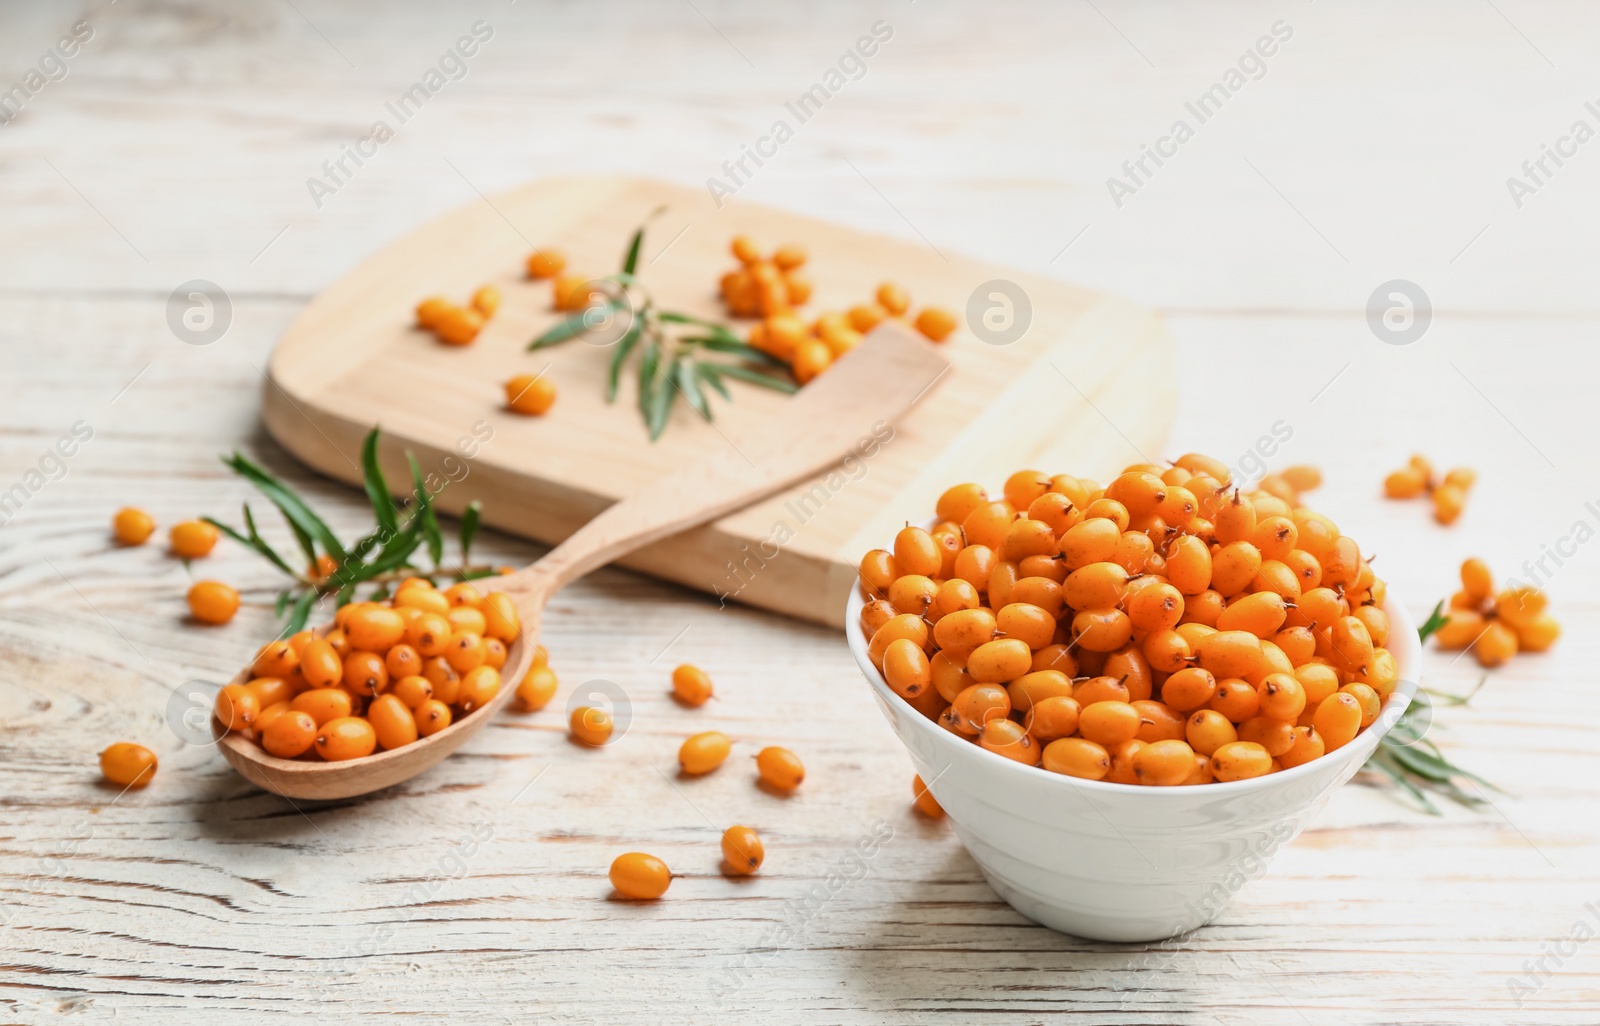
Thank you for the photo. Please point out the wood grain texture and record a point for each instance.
(202, 900)
(354, 358)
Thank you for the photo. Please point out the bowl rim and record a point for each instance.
(1408, 658)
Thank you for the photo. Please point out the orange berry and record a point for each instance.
(128, 765)
(742, 850)
(290, 734)
(458, 326)
(893, 298)
(546, 263)
(212, 602)
(704, 752)
(810, 359)
(590, 726)
(530, 395)
(486, 301)
(936, 323)
(132, 526)
(430, 310)
(537, 688)
(780, 769)
(432, 716)
(923, 800)
(392, 722)
(573, 292)
(348, 737)
(192, 539)
(639, 876)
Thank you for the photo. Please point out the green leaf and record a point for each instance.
(300, 614)
(1396, 774)
(619, 356)
(345, 594)
(630, 263)
(755, 377)
(1436, 619)
(379, 594)
(469, 528)
(293, 508)
(572, 325)
(738, 348)
(709, 375)
(684, 378)
(473, 575)
(253, 539)
(282, 603)
(430, 520)
(377, 487)
(647, 374)
(661, 398)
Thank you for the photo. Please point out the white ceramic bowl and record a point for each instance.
(1117, 862)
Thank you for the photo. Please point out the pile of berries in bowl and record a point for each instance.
(1123, 694)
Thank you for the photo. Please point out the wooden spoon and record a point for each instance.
(877, 381)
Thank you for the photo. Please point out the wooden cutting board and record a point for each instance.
(1086, 386)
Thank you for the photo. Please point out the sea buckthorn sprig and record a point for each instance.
(1448, 494)
(386, 674)
(1496, 626)
(380, 558)
(680, 355)
(456, 325)
(1165, 629)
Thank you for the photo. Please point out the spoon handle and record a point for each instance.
(845, 410)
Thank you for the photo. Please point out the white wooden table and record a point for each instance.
(1375, 146)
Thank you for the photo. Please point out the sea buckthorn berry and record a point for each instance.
(1495, 645)
(1303, 478)
(988, 524)
(640, 877)
(1034, 686)
(236, 707)
(289, 734)
(276, 659)
(1090, 690)
(875, 614)
(1109, 723)
(412, 691)
(1108, 509)
(393, 724)
(465, 651)
(977, 705)
(590, 726)
(999, 661)
(321, 666)
(953, 596)
(501, 619)
(338, 642)
(423, 597)
(1476, 580)
(1337, 719)
(270, 691)
(1233, 567)
(1537, 633)
(915, 552)
(269, 714)
(374, 629)
(457, 325)
(1282, 697)
(923, 801)
(1229, 653)
(1090, 541)
(704, 752)
(913, 593)
(893, 298)
(1461, 477)
(212, 602)
(432, 716)
(132, 526)
(192, 539)
(537, 688)
(1052, 718)
(936, 323)
(1276, 736)
(958, 501)
(478, 688)
(1197, 463)
(1155, 608)
(864, 318)
(1141, 492)
(1029, 624)
(905, 667)
(486, 300)
(1367, 698)
(810, 359)
(531, 395)
(1001, 580)
(1026, 538)
(1101, 630)
(1240, 760)
(780, 769)
(1100, 586)
(904, 625)
(364, 673)
(742, 850)
(128, 765)
(1317, 680)
(546, 263)
(1163, 763)
(1207, 730)
(878, 572)
(349, 737)
(1307, 745)
(1448, 502)
(691, 685)
(495, 653)
(1076, 757)
(1009, 739)
(402, 661)
(1189, 689)
(324, 704)
(1158, 721)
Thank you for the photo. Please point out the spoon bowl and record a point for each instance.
(877, 381)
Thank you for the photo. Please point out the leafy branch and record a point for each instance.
(679, 355)
(379, 558)
(1413, 763)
